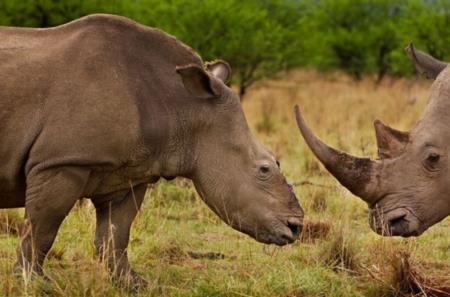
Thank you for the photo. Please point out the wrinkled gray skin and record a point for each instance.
(102, 106)
(408, 187)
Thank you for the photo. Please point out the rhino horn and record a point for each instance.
(356, 174)
(424, 63)
(390, 142)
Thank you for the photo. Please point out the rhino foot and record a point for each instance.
(28, 273)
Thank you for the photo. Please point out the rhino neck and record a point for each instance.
(169, 140)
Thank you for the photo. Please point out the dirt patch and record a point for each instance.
(173, 254)
(206, 255)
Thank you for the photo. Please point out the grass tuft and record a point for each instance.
(401, 275)
(314, 230)
(11, 222)
(341, 253)
(319, 200)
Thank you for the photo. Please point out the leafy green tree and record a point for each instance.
(249, 34)
(341, 25)
(429, 26)
(384, 38)
(48, 13)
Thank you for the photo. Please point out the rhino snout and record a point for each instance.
(289, 232)
(397, 222)
(281, 232)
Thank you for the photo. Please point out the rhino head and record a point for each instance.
(407, 188)
(237, 177)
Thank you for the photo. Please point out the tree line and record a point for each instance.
(260, 38)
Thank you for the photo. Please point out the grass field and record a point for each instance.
(338, 254)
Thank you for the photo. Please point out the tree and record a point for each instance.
(48, 13)
(430, 26)
(341, 26)
(384, 38)
(247, 34)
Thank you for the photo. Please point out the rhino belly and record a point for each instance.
(12, 199)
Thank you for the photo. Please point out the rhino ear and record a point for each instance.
(425, 63)
(391, 143)
(198, 82)
(220, 69)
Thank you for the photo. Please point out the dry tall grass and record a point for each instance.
(185, 250)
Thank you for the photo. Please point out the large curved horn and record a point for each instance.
(352, 172)
(425, 63)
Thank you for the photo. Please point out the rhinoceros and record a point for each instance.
(407, 188)
(102, 106)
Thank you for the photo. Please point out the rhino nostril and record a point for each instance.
(295, 227)
(398, 225)
(397, 220)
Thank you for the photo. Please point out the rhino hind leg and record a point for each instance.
(115, 214)
(50, 196)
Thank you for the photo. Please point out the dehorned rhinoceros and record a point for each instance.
(102, 106)
(408, 187)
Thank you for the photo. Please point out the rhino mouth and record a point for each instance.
(397, 222)
(286, 232)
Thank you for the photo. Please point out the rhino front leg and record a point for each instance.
(50, 196)
(115, 214)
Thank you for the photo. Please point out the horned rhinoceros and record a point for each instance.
(102, 106)
(408, 187)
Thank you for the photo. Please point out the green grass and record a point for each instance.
(347, 260)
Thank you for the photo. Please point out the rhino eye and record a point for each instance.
(264, 169)
(264, 172)
(431, 162)
(433, 158)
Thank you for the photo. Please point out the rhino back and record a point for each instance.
(82, 94)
